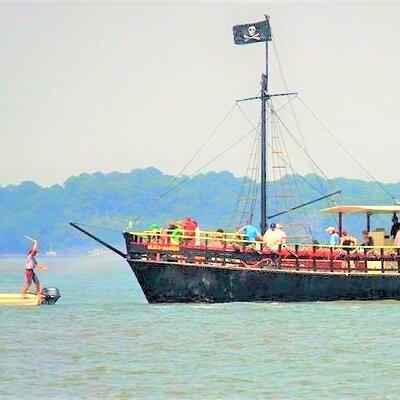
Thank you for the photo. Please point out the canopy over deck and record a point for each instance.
(361, 210)
(367, 210)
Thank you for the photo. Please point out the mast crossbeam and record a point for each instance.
(268, 95)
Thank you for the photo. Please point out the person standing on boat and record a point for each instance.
(30, 265)
(189, 226)
(334, 238)
(275, 236)
(250, 232)
(176, 233)
(395, 227)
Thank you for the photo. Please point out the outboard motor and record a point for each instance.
(50, 295)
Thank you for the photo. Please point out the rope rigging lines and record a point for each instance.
(279, 150)
(281, 158)
(212, 134)
(286, 199)
(177, 182)
(363, 168)
(347, 151)
(294, 114)
(247, 199)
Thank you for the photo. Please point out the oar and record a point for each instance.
(29, 238)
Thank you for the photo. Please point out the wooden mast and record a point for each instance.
(264, 103)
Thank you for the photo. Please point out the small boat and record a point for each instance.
(49, 296)
(99, 253)
(51, 253)
(16, 299)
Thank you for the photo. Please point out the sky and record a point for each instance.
(113, 86)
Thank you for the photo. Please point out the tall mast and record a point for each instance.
(255, 33)
(264, 102)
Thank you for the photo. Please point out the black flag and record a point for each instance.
(252, 33)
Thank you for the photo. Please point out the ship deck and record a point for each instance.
(240, 254)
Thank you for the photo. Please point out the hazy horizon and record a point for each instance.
(366, 180)
(116, 86)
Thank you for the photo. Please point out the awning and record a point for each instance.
(361, 209)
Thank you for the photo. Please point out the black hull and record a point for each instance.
(184, 283)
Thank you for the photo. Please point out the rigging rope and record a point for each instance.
(171, 188)
(301, 147)
(213, 132)
(290, 179)
(175, 182)
(348, 152)
(296, 120)
(207, 164)
(249, 181)
(328, 200)
(290, 167)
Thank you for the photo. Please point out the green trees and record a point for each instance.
(111, 201)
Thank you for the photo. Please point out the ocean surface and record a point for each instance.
(103, 341)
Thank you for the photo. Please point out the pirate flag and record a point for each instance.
(252, 33)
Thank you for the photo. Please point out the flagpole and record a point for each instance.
(264, 100)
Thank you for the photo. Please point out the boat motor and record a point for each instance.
(50, 295)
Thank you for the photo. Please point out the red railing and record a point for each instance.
(229, 249)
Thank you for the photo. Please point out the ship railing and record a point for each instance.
(200, 238)
(226, 247)
(372, 259)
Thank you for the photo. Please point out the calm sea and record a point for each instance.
(102, 340)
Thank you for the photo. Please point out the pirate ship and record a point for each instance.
(206, 266)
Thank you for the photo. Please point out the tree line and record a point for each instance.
(108, 203)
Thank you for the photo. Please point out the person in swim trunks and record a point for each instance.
(30, 265)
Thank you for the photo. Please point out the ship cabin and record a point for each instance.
(224, 249)
(380, 236)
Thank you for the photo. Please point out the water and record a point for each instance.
(102, 340)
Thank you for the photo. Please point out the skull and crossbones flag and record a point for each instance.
(252, 33)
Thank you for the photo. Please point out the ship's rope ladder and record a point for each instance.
(248, 196)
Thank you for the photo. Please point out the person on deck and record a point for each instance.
(176, 233)
(250, 233)
(395, 226)
(154, 232)
(347, 240)
(217, 240)
(334, 239)
(368, 240)
(275, 236)
(30, 265)
(189, 226)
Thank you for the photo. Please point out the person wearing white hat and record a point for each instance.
(275, 236)
(334, 238)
